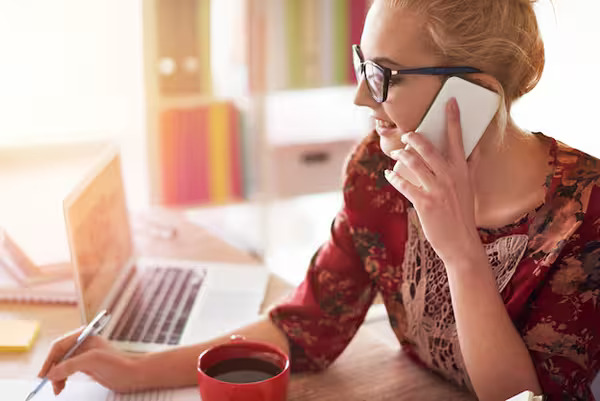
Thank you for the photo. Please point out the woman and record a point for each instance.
(490, 270)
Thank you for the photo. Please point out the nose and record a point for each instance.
(362, 96)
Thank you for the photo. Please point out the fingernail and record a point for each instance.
(453, 106)
(387, 173)
(404, 138)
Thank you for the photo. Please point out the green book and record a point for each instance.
(341, 33)
(293, 16)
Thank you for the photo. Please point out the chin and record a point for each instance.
(388, 144)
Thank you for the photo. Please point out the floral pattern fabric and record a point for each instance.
(551, 295)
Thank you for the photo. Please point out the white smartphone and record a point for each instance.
(477, 106)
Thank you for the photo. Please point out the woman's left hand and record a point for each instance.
(444, 201)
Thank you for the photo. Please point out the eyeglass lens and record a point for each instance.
(373, 74)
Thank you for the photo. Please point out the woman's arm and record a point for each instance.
(177, 368)
(497, 360)
(126, 372)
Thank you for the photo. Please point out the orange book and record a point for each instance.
(218, 153)
(198, 158)
(167, 153)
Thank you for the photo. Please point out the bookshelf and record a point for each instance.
(291, 64)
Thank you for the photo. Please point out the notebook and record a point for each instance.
(17, 335)
(78, 389)
(58, 291)
(154, 303)
(22, 281)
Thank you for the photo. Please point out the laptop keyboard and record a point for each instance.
(160, 306)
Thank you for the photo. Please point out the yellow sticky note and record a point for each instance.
(17, 335)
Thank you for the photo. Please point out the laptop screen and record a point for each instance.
(99, 232)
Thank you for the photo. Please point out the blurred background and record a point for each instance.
(237, 112)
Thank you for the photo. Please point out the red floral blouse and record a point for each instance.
(547, 268)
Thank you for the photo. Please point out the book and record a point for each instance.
(327, 31)
(341, 33)
(202, 155)
(168, 157)
(58, 291)
(218, 152)
(358, 12)
(23, 281)
(311, 51)
(294, 24)
(18, 335)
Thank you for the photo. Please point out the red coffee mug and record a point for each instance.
(243, 370)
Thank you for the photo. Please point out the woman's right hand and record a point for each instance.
(97, 358)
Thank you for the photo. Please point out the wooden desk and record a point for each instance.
(190, 242)
(369, 369)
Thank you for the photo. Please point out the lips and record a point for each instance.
(384, 127)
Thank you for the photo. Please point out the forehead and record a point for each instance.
(397, 34)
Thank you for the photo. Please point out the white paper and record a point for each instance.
(78, 390)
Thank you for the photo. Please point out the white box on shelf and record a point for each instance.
(299, 169)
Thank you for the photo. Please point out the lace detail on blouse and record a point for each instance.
(426, 296)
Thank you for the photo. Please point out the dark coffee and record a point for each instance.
(243, 370)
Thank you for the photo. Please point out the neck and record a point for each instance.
(507, 172)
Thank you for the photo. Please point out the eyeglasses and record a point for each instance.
(378, 78)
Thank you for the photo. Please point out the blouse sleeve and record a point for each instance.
(563, 328)
(326, 310)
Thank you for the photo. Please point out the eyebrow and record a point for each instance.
(385, 60)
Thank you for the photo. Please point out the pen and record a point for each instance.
(92, 329)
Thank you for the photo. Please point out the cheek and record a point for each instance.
(407, 105)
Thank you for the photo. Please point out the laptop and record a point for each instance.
(154, 303)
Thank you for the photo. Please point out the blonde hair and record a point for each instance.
(499, 37)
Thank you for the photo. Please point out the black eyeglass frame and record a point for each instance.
(388, 73)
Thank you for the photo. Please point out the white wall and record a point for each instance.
(72, 70)
(565, 104)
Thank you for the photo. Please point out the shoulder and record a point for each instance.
(578, 176)
(576, 167)
(365, 187)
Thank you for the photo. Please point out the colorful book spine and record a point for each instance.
(202, 158)
(326, 41)
(358, 12)
(218, 146)
(203, 32)
(235, 154)
(341, 53)
(168, 157)
(311, 55)
(277, 60)
(198, 172)
(256, 45)
(294, 46)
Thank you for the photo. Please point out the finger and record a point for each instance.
(456, 149)
(423, 146)
(410, 191)
(416, 165)
(58, 350)
(72, 365)
(58, 386)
